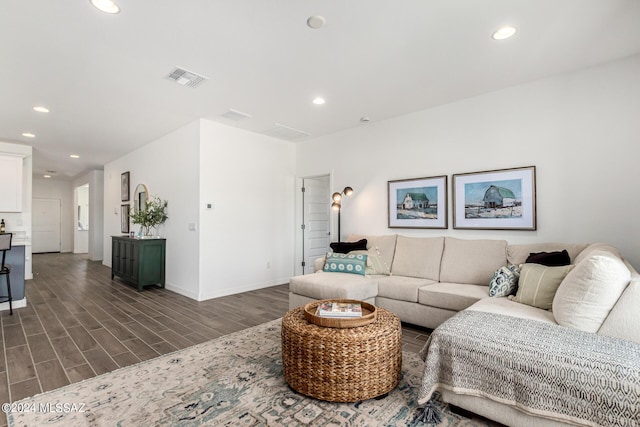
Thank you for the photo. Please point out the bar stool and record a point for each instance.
(5, 270)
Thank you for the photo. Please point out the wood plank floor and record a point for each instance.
(78, 323)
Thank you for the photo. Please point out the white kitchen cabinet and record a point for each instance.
(10, 183)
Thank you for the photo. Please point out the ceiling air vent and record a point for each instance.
(235, 115)
(186, 78)
(286, 132)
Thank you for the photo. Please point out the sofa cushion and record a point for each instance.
(346, 263)
(504, 281)
(550, 259)
(511, 308)
(386, 245)
(375, 265)
(595, 247)
(346, 247)
(589, 292)
(452, 296)
(472, 261)
(323, 285)
(418, 257)
(624, 317)
(518, 254)
(401, 287)
(538, 284)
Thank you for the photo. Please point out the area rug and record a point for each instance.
(235, 380)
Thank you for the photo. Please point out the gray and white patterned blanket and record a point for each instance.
(539, 368)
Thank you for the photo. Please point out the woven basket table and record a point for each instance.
(342, 364)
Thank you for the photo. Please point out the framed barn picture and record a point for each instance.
(502, 199)
(418, 202)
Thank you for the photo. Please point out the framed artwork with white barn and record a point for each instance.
(418, 202)
(503, 199)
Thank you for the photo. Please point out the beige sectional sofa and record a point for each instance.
(429, 280)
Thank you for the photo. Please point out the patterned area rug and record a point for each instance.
(235, 380)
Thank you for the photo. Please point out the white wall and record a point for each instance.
(579, 129)
(169, 167)
(246, 239)
(61, 190)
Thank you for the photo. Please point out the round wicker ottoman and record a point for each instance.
(342, 365)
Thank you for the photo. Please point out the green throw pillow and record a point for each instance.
(346, 263)
(375, 264)
(538, 284)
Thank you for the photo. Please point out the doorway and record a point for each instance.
(81, 220)
(316, 233)
(46, 225)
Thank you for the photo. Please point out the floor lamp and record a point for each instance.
(337, 203)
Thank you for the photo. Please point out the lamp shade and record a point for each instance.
(347, 191)
(336, 197)
(335, 206)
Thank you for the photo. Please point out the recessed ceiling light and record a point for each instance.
(29, 135)
(319, 101)
(504, 33)
(47, 176)
(365, 119)
(106, 6)
(316, 22)
(74, 156)
(40, 109)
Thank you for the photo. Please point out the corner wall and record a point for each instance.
(246, 238)
(169, 167)
(579, 129)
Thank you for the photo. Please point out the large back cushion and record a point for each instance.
(385, 245)
(472, 261)
(418, 257)
(589, 292)
(518, 254)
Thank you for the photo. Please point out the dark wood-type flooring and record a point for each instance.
(78, 323)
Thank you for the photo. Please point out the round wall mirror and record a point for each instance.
(141, 197)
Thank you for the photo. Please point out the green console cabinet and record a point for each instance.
(138, 261)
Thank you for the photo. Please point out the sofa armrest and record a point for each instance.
(318, 264)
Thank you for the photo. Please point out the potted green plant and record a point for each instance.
(153, 215)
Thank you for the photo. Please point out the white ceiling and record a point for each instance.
(103, 76)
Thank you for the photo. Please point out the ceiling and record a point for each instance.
(103, 77)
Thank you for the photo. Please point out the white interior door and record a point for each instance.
(46, 225)
(316, 203)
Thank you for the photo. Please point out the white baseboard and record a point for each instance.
(216, 293)
(178, 290)
(21, 303)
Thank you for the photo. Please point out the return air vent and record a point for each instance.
(286, 132)
(186, 78)
(235, 115)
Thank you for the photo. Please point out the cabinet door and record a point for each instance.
(11, 179)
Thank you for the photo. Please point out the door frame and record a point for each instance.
(298, 234)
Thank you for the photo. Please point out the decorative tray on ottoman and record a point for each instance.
(368, 315)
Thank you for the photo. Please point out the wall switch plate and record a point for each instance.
(192, 226)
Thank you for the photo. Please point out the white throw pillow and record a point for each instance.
(589, 291)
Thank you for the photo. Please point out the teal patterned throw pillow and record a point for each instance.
(504, 281)
(345, 263)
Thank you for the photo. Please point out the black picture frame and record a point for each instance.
(124, 187)
(124, 219)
